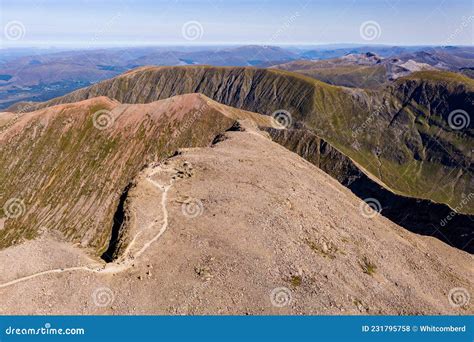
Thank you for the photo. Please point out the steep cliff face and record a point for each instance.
(66, 167)
(400, 134)
(432, 101)
(417, 215)
(435, 126)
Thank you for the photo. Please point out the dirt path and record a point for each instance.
(120, 265)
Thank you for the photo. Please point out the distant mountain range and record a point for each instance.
(36, 75)
(366, 70)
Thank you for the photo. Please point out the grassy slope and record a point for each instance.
(379, 129)
(356, 76)
(70, 175)
(353, 76)
(433, 95)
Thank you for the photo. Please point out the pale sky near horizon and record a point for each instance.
(147, 22)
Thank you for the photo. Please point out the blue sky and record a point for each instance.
(145, 22)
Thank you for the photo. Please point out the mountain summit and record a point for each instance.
(231, 223)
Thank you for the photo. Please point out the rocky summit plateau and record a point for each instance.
(295, 189)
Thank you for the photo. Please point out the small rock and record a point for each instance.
(325, 247)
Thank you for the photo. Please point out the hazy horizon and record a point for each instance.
(68, 47)
(127, 23)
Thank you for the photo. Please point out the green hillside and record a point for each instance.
(399, 133)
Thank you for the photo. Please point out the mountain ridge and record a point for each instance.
(417, 142)
(367, 70)
(108, 143)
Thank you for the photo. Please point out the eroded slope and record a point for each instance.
(403, 134)
(67, 167)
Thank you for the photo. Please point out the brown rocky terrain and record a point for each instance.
(67, 167)
(239, 225)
